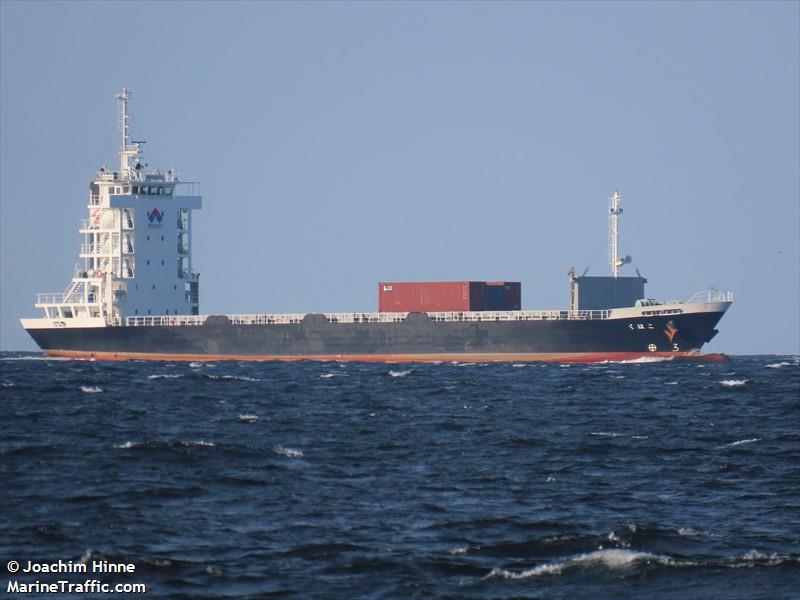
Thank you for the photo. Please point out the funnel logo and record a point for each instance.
(671, 331)
(155, 216)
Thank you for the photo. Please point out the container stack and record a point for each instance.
(448, 296)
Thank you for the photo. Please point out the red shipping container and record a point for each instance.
(432, 296)
(448, 296)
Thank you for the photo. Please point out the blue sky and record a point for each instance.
(340, 144)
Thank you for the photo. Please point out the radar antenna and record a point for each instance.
(126, 151)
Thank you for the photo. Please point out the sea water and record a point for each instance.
(345, 480)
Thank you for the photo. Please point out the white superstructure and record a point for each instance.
(136, 250)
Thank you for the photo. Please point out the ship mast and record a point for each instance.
(613, 234)
(125, 151)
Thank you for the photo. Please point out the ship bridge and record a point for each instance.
(137, 245)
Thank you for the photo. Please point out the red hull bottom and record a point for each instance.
(579, 357)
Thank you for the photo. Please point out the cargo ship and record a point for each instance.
(136, 295)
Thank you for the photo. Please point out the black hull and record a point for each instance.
(415, 338)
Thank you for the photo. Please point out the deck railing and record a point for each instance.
(165, 321)
(709, 296)
(373, 317)
(50, 298)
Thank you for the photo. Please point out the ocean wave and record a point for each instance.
(781, 364)
(232, 378)
(611, 559)
(164, 376)
(91, 389)
(643, 360)
(327, 375)
(399, 373)
(48, 358)
(221, 378)
(735, 383)
(288, 452)
(605, 433)
(248, 418)
(161, 444)
(688, 532)
(7, 384)
(616, 559)
(741, 442)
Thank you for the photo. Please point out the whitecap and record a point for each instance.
(399, 373)
(459, 551)
(91, 389)
(519, 365)
(742, 442)
(163, 376)
(195, 365)
(734, 383)
(611, 559)
(779, 365)
(756, 556)
(288, 452)
(687, 532)
(644, 360)
(7, 384)
(248, 418)
(605, 433)
(59, 358)
(327, 375)
(671, 383)
(198, 443)
(126, 445)
(232, 378)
